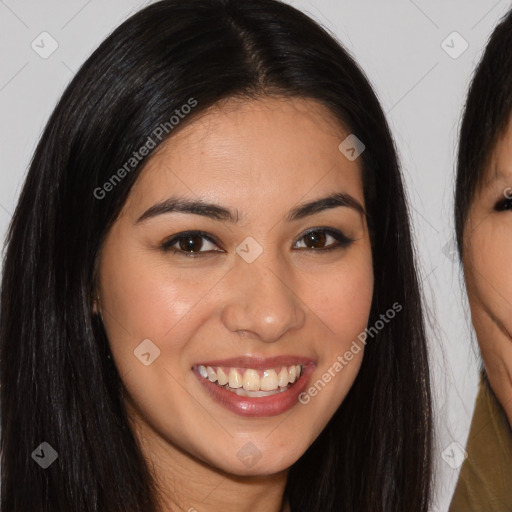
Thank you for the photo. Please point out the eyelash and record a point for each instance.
(503, 205)
(342, 241)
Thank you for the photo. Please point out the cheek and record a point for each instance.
(488, 271)
(342, 299)
(341, 302)
(143, 313)
(345, 301)
(489, 282)
(147, 298)
(142, 299)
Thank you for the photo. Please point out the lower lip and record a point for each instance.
(258, 407)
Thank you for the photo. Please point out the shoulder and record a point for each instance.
(485, 479)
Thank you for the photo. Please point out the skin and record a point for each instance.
(487, 247)
(260, 158)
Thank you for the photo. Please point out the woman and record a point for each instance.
(483, 222)
(209, 298)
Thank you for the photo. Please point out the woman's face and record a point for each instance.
(252, 299)
(487, 248)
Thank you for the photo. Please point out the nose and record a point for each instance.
(262, 300)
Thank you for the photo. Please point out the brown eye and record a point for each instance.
(190, 243)
(322, 239)
(315, 239)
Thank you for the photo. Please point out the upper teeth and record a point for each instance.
(250, 379)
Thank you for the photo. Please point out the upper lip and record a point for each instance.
(258, 363)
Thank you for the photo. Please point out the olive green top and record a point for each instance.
(485, 480)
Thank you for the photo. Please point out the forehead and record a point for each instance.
(249, 149)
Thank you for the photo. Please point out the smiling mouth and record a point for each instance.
(249, 382)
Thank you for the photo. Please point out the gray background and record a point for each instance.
(399, 44)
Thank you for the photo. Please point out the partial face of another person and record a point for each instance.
(261, 291)
(488, 270)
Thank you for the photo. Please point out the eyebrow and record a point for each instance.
(217, 212)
